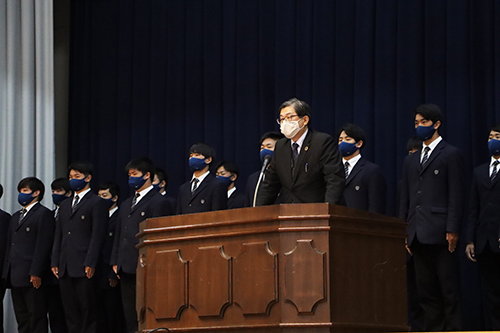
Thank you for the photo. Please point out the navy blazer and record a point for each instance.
(432, 198)
(4, 228)
(236, 200)
(319, 174)
(106, 272)
(210, 195)
(366, 188)
(29, 247)
(125, 254)
(80, 235)
(484, 210)
(250, 190)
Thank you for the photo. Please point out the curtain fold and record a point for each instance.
(26, 103)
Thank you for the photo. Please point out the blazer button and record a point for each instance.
(69, 232)
(418, 206)
(419, 192)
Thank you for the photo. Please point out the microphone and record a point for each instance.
(266, 162)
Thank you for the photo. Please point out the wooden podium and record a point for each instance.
(283, 268)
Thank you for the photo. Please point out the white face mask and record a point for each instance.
(290, 128)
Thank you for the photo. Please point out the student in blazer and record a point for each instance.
(228, 172)
(203, 193)
(483, 229)
(4, 227)
(145, 203)
(80, 233)
(432, 201)
(27, 258)
(306, 166)
(365, 186)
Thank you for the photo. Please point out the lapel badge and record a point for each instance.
(28, 229)
(436, 172)
(356, 188)
(202, 201)
(142, 213)
(306, 148)
(111, 234)
(83, 217)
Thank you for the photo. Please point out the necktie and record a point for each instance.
(346, 169)
(75, 203)
(426, 156)
(22, 215)
(134, 200)
(495, 171)
(195, 182)
(295, 152)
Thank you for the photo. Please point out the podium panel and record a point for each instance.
(283, 268)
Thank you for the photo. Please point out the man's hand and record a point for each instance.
(115, 269)
(113, 282)
(89, 271)
(407, 247)
(36, 281)
(55, 271)
(469, 251)
(452, 238)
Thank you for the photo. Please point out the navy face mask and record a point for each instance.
(109, 202)
(347, 149)
(58, 198)
(136, 182)
(196, 164)
(25, 198)
(77, 184)
(265, 152)
(425, 132)
(494, 147)
(227, 180)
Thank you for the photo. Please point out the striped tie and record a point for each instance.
(426, 156)
(75, 203)
(495, 171)
(346, 169)
(22, 215)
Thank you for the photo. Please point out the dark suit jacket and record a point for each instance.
(80, 235)
(125, 255)
(210, 195)
(432, 197)
(365, 188)
(30, 245)
(106, 272)
(4, 228)
(250, 190)
(318, 177)
(484, 210)
(236, 200)
(171, 201)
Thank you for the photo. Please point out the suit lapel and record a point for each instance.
(302, 155)
(142, 201)
(80, 203)
(28, 215)
(203, 184)
(433, 156)
(357, 168)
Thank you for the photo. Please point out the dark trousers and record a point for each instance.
(415, 311)
(30, 308)
(2, 294)
(79, 296)
(57, 319)
(111, 317)
(127, 282)
(438, 285)
(489, 270)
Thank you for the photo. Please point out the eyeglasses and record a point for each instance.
(288, 118)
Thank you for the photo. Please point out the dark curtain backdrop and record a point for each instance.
(150, 78)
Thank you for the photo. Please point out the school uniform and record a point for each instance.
(210, 195)
(236, 199)
(29, 240)
(4, 227)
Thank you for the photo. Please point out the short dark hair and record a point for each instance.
(353, 131)
(84, 167)
(142, 164)
(162, 176)
(229, 166)
(1, 190)
(34, 184)
(301, 107)
(113, 188)
(413, 143)
(203, 149)
(430, 112)
(495, 128)
(271, 135)
(61, 184)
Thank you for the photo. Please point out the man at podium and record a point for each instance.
(306, 165)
